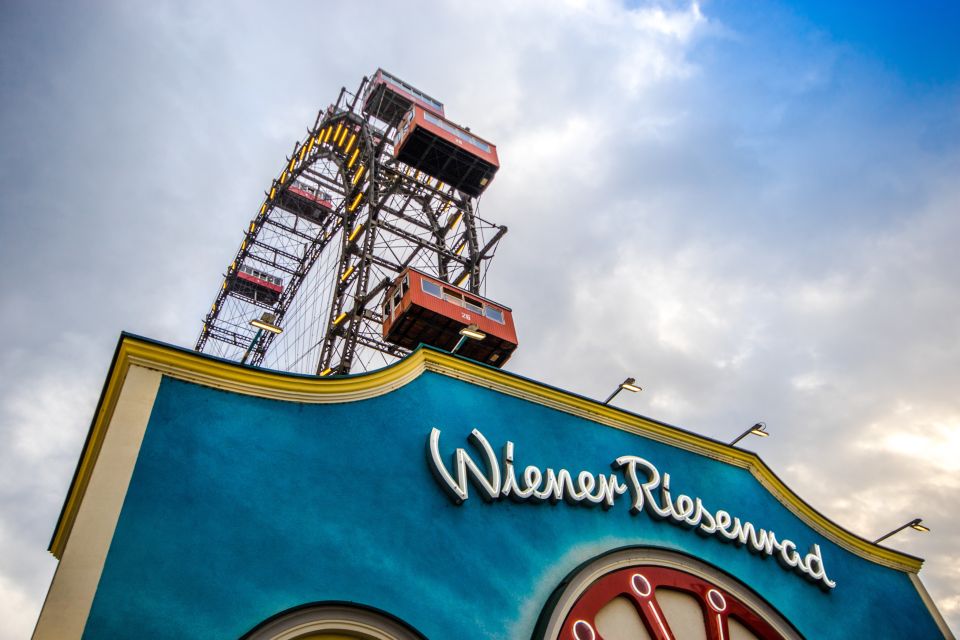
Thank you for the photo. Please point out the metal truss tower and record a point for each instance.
(339, 222)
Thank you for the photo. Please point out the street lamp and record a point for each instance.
(759, 429)
(913, 524)
(264, 323)
(470, 331)
(629, 384)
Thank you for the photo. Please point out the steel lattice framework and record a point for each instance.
(336, 267)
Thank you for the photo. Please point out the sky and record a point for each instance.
(751, 206)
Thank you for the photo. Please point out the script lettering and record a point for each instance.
(649, 491)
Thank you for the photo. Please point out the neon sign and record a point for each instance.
(649, 491)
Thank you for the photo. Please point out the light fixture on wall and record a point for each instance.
(266, 322)
(629, 385)
(470, 331)
(759, 429)
(914, 524)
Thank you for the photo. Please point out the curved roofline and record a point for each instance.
(211, 371)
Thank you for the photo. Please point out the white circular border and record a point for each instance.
(626, 558)
(647, 592)
(332, 618)
(576, 634)
(713, 605)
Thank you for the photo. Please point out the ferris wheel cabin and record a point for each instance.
(388, 98)
(257, 286)
(422, 309)
(446, 151)
(305, 202)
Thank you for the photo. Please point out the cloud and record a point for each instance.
(45, 408)
(755, 220)
(17, 607)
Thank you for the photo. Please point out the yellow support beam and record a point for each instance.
(355, 232)
(358, 175)
(355, 203)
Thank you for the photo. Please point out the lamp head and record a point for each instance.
(759, 429)
(473, 332)
(915, 524)
(266, 322)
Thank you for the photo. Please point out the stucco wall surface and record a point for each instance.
(241, 507)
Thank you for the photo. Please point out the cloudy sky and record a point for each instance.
(752, 206)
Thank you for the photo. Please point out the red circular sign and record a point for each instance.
(641, 585)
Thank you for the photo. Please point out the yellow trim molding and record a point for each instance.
(190, 366)
(74, 585)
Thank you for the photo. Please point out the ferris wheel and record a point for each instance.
(379, 194)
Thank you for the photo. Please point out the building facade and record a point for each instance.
(438, 498)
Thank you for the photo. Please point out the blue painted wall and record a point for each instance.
(240, 508)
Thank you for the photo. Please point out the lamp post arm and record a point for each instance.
(613, 395)
(887, 535)
(741, 436)
(253, 343)
(459, 344)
